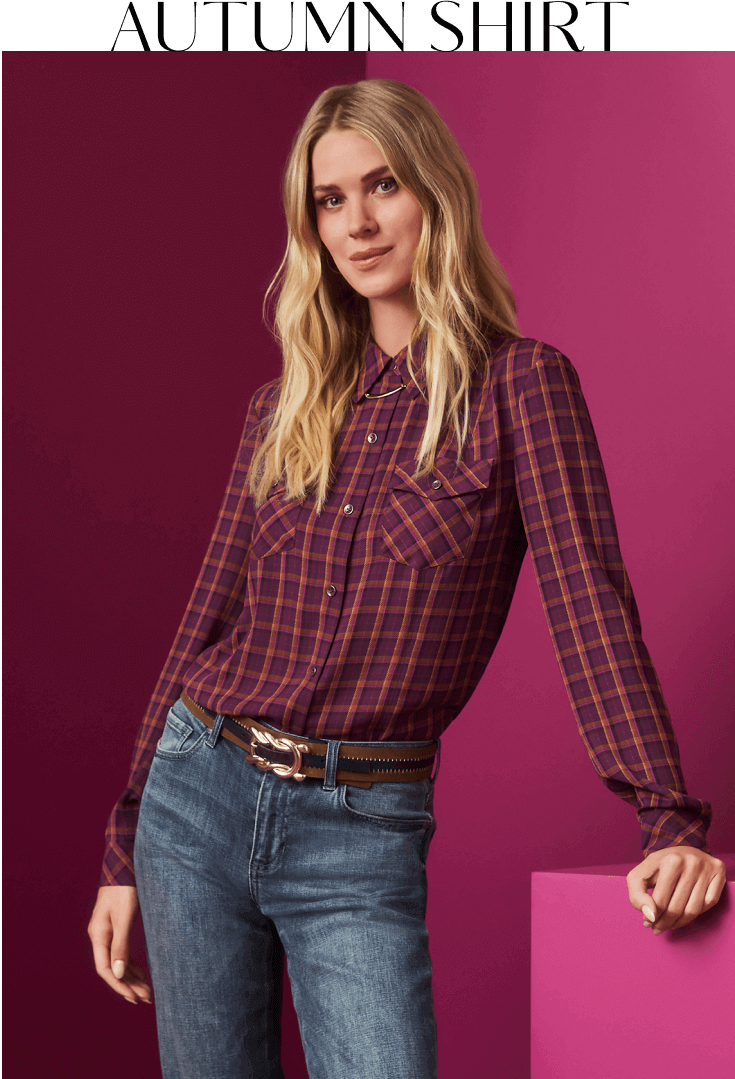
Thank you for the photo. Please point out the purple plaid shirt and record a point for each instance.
(375, 619)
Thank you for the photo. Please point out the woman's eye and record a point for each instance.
(389, 181)
(326, 202)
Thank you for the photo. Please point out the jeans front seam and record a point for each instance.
(251, 873)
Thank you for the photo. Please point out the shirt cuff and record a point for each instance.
(675, 827)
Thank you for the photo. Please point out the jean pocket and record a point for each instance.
(276, 524)
(432, 520)
(397, 807)
(181, 736)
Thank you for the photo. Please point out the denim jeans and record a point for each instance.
(234, 866)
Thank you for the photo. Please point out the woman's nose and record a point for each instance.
(359, 220)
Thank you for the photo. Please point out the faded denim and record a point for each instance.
(233, 865)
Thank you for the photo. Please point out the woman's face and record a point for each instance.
(369, 225)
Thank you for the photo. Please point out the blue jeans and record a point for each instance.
(234, 865)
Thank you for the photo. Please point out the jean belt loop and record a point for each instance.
(214, 733)
(330, 766)
(437, 759)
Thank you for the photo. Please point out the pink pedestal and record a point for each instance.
(610, 1000)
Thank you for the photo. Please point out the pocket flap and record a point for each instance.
(447, 479)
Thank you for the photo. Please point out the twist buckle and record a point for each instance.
(284, 745)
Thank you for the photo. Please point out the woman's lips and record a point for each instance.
(372, 260)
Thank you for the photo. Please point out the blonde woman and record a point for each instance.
(357, 581)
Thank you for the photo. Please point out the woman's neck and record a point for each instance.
(392, 322)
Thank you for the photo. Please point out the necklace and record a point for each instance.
(375, 396)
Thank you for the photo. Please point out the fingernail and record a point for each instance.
(649, 914)
(647, 924)
(131, 1001)
(657, 932)
(118, 969)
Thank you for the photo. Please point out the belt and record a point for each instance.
(297, 758)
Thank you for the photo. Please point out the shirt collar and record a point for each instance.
(376, 363)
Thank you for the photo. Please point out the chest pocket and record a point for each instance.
(276, 523)
(434, 519)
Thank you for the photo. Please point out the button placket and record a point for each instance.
(380, 414)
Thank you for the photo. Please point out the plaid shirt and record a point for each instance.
(375, 619)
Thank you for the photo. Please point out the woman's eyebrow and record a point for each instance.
(372, 175)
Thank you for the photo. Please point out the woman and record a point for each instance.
(357, 581)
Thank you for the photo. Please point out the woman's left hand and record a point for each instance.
(685, 882)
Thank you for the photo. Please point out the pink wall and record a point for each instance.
(606, 184)
(142, 225)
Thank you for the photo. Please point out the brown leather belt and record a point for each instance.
(296, 758)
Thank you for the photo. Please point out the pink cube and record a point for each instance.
(608, 999)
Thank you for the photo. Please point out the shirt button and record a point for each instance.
(331, 591)
(313, 670)
(348, 509)
(372, 438)
(436, 484)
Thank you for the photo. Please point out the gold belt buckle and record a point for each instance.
(285, 745)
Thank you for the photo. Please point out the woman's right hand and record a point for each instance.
(109, 930)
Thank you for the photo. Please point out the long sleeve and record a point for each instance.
(591, 610)
(213, 609)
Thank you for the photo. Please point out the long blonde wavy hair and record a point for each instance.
(461, 291)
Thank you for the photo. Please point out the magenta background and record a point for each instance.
(142, 226)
